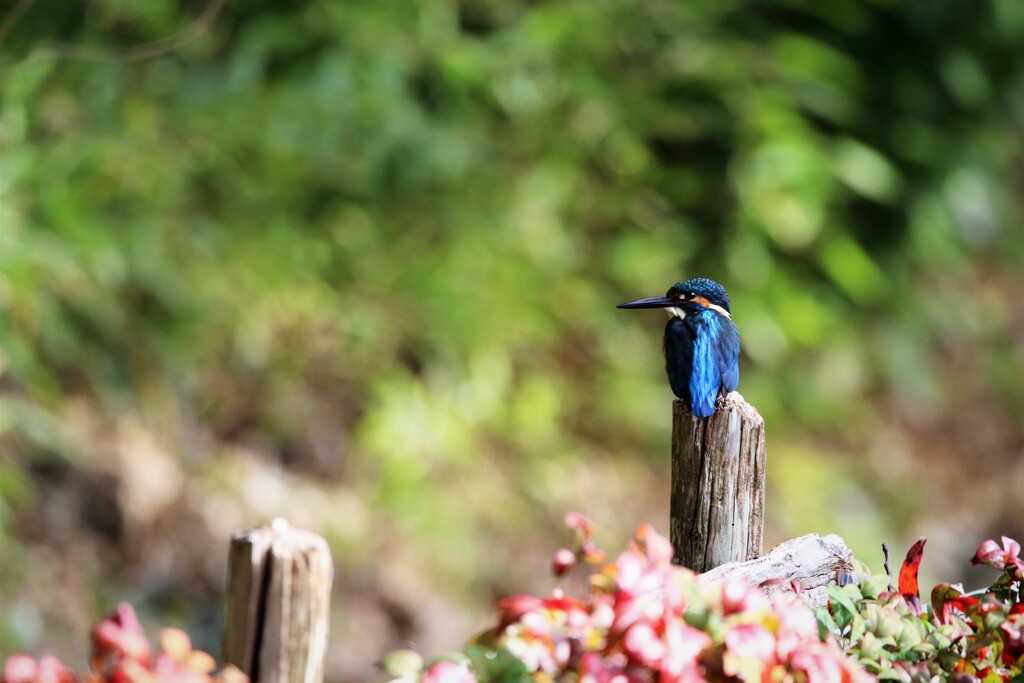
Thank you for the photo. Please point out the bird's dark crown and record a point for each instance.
(688, 290)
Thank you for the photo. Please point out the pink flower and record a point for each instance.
(797, 624)
(1007, 556)
(120, 650)
(24, 669)
(448, 672)
(121, 635)
(583, 527)
(643, 643)
(682, 659)
(825, 664)
(635, 577)
(751, 640)
(563, 560)
(749, 651)
(20, 669)
(179, 663)
(740, 596)
(597, 669)
(652, 545)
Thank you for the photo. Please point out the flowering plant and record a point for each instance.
(643, 620)
(965, 636)
(121, 654)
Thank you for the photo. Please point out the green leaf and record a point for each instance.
(843, 607)
(827, 627)
(858, 627)
(453, 657)
(992, 620)
(874, 585)
(405, 664)
(496, 665)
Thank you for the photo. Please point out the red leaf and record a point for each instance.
(908, 572)
(948, 601)
(562, 603)
(513, 608)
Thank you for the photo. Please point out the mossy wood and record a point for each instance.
(278, 604)
(718, 480)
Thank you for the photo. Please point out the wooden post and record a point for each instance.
(278, 604)
(718, 465)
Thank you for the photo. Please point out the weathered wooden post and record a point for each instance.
(278, 604)
(718, 479)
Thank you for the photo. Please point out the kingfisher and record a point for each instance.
(702, 345)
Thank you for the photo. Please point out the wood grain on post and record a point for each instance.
(718, 478)
(278, 604)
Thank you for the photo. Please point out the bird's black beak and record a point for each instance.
(651, 302)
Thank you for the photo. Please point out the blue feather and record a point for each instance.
(727, 355)
(705, 377)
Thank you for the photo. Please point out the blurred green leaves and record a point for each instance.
(381, 243)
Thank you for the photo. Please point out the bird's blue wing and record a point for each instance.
(727, 354)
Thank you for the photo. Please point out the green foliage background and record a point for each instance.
(355, 264)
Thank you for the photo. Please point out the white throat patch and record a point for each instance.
(676, 313)
(719, 309)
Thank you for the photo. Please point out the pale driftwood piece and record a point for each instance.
(279, 590)
(812, 561)
(718, 467)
